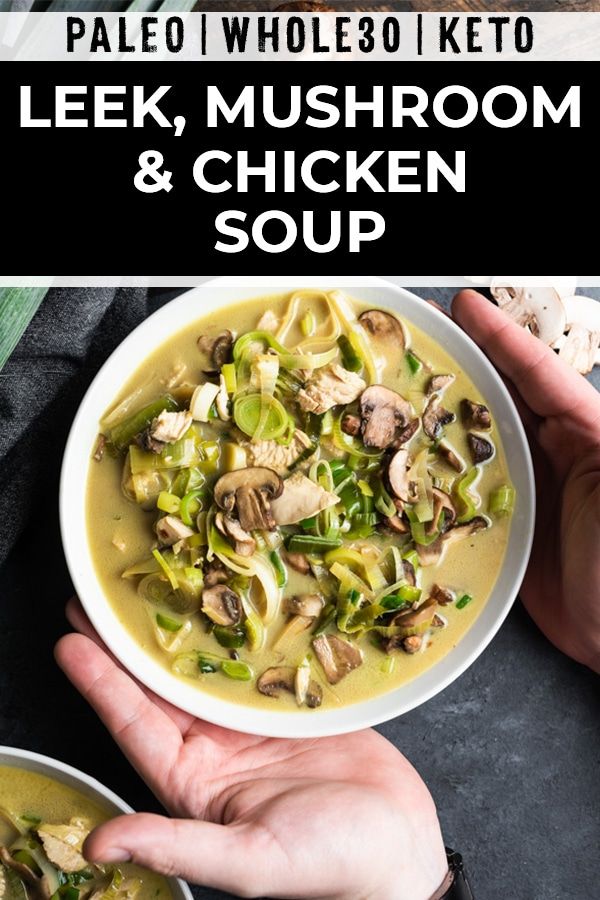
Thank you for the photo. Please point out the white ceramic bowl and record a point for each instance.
(86, 785)
(198, 302)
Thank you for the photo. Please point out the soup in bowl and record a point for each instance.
(300, 505)
(47, 810)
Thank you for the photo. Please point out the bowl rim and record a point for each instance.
(247, 719)
(66, 774)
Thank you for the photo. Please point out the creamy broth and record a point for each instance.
(121, 533)
(30, 797)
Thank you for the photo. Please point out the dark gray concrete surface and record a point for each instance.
(510, 751)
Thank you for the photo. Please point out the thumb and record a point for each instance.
(200, 852)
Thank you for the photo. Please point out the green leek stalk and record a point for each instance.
(17, 308)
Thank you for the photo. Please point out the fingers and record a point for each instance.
(80, 622)
(147, 735)
(547, 385)
(200, 852)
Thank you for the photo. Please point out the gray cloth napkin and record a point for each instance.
(40, 388)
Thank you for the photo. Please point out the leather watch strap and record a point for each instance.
(455, 885)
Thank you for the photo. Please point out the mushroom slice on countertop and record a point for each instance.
(170, 529)
(479, 447)
(430, 554)
(300, 499)
(441, 503)
(450, 456)
(439, 383)
(384, 414)
(337, 656)
(580, 348)
(169, 427)
(249, 492)
(277, 679)
(222, 605)
(328, 387)
(539, 308)
(435, 417)
(309, 605)
(475, 415)
(243, 542)
(384, 326)
(397, 474)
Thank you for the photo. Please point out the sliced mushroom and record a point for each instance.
(37, 888)
(309, 605)
(396, 524)
(277, 679)
(397, 475)
(298, 561)
(430, 555)
(215, 573)
(384, 415)
(243, 543)
(475, 415)
(450, 456)
(337, 656)
(479, 447)
(406, 434)
(222, 605)
(417, 620)
(300, 499)
(384, 326)
(170, 529)
(328, 387)
(249, 492)
(442, 503)
(435, 417)
(439, 383)
(444, 596)
(538, 308)
(409, 572)
(169, 427)
(219, 347)
(314, 695)
(222, 401)
(350, 424)
(301, 684)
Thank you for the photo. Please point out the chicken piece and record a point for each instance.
(169, 427)
(63, 843)
(328, 387)
(300, 499)
(277, 456)
(268, 322)
(170, 529)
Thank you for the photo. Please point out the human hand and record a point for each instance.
(343, 817)
(561, 413)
